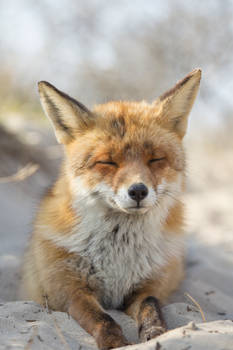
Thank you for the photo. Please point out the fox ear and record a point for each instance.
(66, 114)
(173, 106)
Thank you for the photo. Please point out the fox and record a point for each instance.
(109, 232)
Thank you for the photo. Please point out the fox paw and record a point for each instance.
(148, 333)
(151, 321)
(111, 342)
(110, 338)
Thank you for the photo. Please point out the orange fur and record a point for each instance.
(117, 145)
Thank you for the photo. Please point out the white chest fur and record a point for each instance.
(124, 250)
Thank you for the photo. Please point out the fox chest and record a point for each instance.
(119, 253)
(121, 259)
(118, 268)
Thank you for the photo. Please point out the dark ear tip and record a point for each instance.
(196, 72)
(44, 83)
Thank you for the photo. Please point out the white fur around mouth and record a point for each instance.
(135, 210)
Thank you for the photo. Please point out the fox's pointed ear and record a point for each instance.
(173, 106)
(66, 114)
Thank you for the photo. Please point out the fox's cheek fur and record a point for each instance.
(97, 194)
(101, 194)
(165, 193)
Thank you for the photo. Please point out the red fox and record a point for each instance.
(108, 233)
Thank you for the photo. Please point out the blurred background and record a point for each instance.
(100, 50)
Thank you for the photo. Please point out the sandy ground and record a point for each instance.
(209, 279)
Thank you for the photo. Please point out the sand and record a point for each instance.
(209, 270)
(26, 325)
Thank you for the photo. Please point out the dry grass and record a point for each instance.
(22, 174)
(197, 305)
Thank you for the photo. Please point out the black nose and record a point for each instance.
(138, 192)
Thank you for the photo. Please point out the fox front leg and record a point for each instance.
(146, 311)
(85, 309)
(150, 319)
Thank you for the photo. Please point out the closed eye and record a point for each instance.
(106, 162)
(156, 160)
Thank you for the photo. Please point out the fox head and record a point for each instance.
(127, 156)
